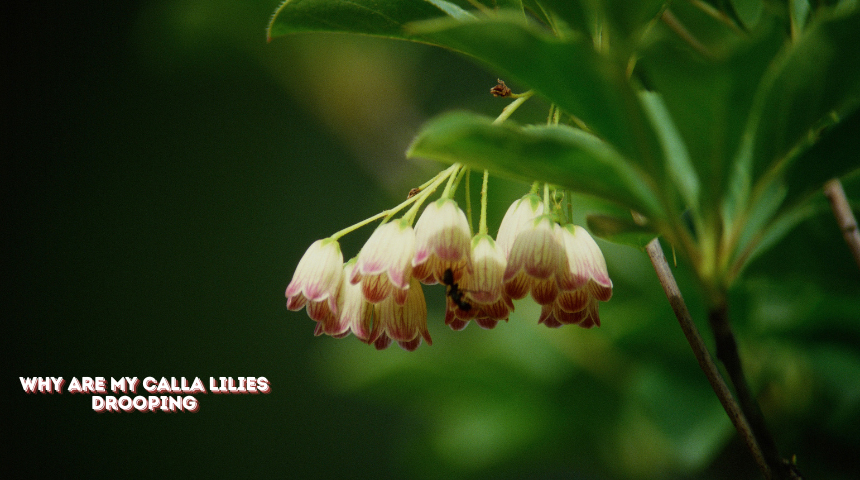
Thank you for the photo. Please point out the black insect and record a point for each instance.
(454, 291)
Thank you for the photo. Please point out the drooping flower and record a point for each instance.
(355, 313)
(537, 263)
(519, 216)
(441, 242)
(406, 324)
(586, 262)
(317, 279)
(591, 282)
(554, 316)
(384, 265)
(483, 288)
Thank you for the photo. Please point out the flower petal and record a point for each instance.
(317, 277)
(442, 241)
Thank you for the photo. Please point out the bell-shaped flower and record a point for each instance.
(591, 283)
(519, 216)
(384, 265)
(538, 263)
(317, 279)
(586, 261)
(485, 315)
(482, 289)
(355, 313)
(441, 242)
(554, 315)
(406, 324)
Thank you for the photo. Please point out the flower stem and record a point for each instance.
(546, 202)
(844, 216)
(482, 225)
(450, 187)
(425, 190)
(706, 363)
(468, 195)
(513, 106)
(449, 173)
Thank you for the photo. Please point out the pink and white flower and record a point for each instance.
(591, 279)
(355, 313)
(384, 265)
(538, 263)
(406, 324)
(586, 262)
(441, 242)
(483, 288)
(554, 316)
(317, 279)
(519, 216)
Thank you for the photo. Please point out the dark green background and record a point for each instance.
(164, 171)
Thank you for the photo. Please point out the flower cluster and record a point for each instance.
(378, 295)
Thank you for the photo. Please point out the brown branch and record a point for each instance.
(727, 352)
(706, 363)
(844, 216)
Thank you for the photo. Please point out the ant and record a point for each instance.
(454, 291)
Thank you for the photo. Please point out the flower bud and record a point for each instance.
(384, 265)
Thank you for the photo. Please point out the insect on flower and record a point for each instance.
(454, 291)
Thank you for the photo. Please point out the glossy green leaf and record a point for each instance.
(810, 81)
(593, 16)
(620, 230)
(568, 72)
(560, 155)
(678, 164)
(814, 78)
(709, 100)
(370, 17)
(452, 10)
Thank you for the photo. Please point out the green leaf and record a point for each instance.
(709, 100)
(799, 11)
(568, 72)
(592, 16)
(778, 227)
(370, 17)
(811, 80)
(452, 10)
(815, 77)
(561, 155)
(678, 165)
(620, 230)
